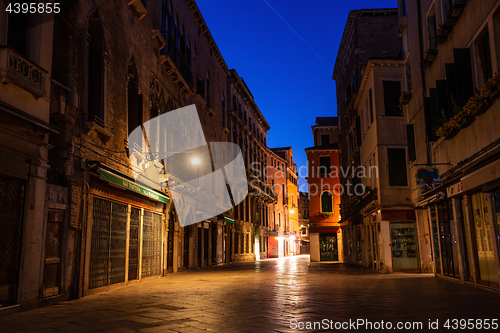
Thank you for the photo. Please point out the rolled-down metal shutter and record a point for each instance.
(151, 244)
(109, 232)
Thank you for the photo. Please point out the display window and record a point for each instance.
(404, 246)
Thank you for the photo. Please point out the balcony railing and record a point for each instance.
(172, 50)
(16, 69)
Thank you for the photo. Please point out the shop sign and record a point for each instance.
(131, 185)
(428, 176)
(455, 189)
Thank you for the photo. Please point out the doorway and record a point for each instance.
(53, 253)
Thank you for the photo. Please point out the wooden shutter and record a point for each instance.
(442, 98)
(410, 140)
(463, 75)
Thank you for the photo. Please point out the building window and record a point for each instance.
(392, 91)
(431, 29)
(200, 87)
(16, 32)
(134, 99)
(484, 55)
(325, 139)
(326, 202)
(397, 167)
(96, 70)
(324, 165)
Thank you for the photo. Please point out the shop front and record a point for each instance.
(469, 228)
(124, 231)
(326, 243)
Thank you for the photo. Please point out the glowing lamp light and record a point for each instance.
(195, 160)
(292, 211)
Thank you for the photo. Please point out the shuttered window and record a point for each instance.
(392, 92)
(397, 167)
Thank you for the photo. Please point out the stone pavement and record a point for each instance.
(264, 296)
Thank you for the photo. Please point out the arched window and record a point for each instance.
(95, 70)
(326, 202)
(134, 99)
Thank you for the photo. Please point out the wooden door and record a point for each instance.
(53, 251)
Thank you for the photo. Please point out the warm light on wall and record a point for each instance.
(292, 211)
(195, 160)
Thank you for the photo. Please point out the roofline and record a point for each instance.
(370, 65)
(208, 35)
(319, 148)
(347, 31)
(242, 87)
(271, 152)
(282, 148)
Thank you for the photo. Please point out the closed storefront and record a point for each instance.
(466, 233)
(124, 233)
(108, 245)
(328, 248)
(151, 244)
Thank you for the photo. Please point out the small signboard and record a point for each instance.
(428, 176)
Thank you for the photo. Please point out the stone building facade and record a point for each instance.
(248, 129)
(89, 206)
(278, 209)
(381, 231)
(29, 212)
(453, 133)
(323, 180)
(286, 175)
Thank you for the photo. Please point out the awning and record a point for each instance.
(121, 180)
(228, 219)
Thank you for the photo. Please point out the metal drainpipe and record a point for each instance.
(422, 77)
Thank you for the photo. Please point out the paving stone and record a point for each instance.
(261, 297)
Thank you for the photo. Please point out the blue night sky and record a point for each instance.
(285, 51)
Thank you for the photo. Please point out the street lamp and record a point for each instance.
(292, 211)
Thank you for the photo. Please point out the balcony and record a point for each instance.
(177, 65)
(16, 69)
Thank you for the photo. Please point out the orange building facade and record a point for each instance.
(325, 190)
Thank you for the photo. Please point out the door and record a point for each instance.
(466, 236)
(404, 246)
(449, 251)
(328, 248)
(151, 245)
(486, 267)
(108, 243)
(133, 251)
(435, 240)
(11, 219)
(170, 243)
(206, 232)
(53, 251)
(186, 247)
(200, 246)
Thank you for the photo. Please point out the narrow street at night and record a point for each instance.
(263, 296)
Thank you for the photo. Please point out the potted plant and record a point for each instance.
(405, 98)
